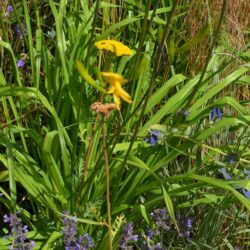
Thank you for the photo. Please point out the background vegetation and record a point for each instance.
(182, 145)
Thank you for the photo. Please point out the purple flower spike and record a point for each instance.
(20, 63)
(18, 231)
(9, 8)
(72, 240)
(127, 236)
(215, 113)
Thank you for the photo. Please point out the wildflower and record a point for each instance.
(114, 46)
(116, 80)
(215, 113)
(186, 225)
(127, 236)
(153, 138)
(9, 8)
(150, 234)
(85, 241)
(70, 232)
(18, 30)
(18, 231)
(160, 218)
(71, 238)
(20, 63)
(103, 109)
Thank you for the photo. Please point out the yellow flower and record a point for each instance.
(116, 80)
(114, 46)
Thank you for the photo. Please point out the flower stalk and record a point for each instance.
(105, 154)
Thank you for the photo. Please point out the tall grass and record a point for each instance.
(56, 153)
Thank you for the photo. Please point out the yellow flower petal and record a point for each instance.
(114, 46)
(117, 102)
(119, 91)
(116, 80)
(113, 78)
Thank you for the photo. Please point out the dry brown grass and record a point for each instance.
(233, 36)
(237, 17)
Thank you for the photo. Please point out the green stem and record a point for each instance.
(105, 154)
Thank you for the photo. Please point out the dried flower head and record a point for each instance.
(116, 80)
(103, 109)
(114, 46)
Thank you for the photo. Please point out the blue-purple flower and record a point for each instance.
(215, 113)
(9, 8)
(161, 219)
(72, 240)
(20, 63)
(185, 225)
(18, 232)
(127, 236)
(153, 138)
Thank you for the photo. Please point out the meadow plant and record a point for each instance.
(72, 239)
(18, 233)
(103, 116)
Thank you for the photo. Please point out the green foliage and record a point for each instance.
(51, 141)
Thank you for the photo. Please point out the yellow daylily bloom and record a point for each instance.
(116, 80)
(114, 46)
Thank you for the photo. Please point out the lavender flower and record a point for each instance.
(20, 63)
(186, 225)
(127, 236)
(9, 8)
(160, 218)
(146, 242)
(18, 232)
(18, 30)
(70, 232)
(215, 113)
(153, 138)
(158, 246)
(72, 240)
(85, 241)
